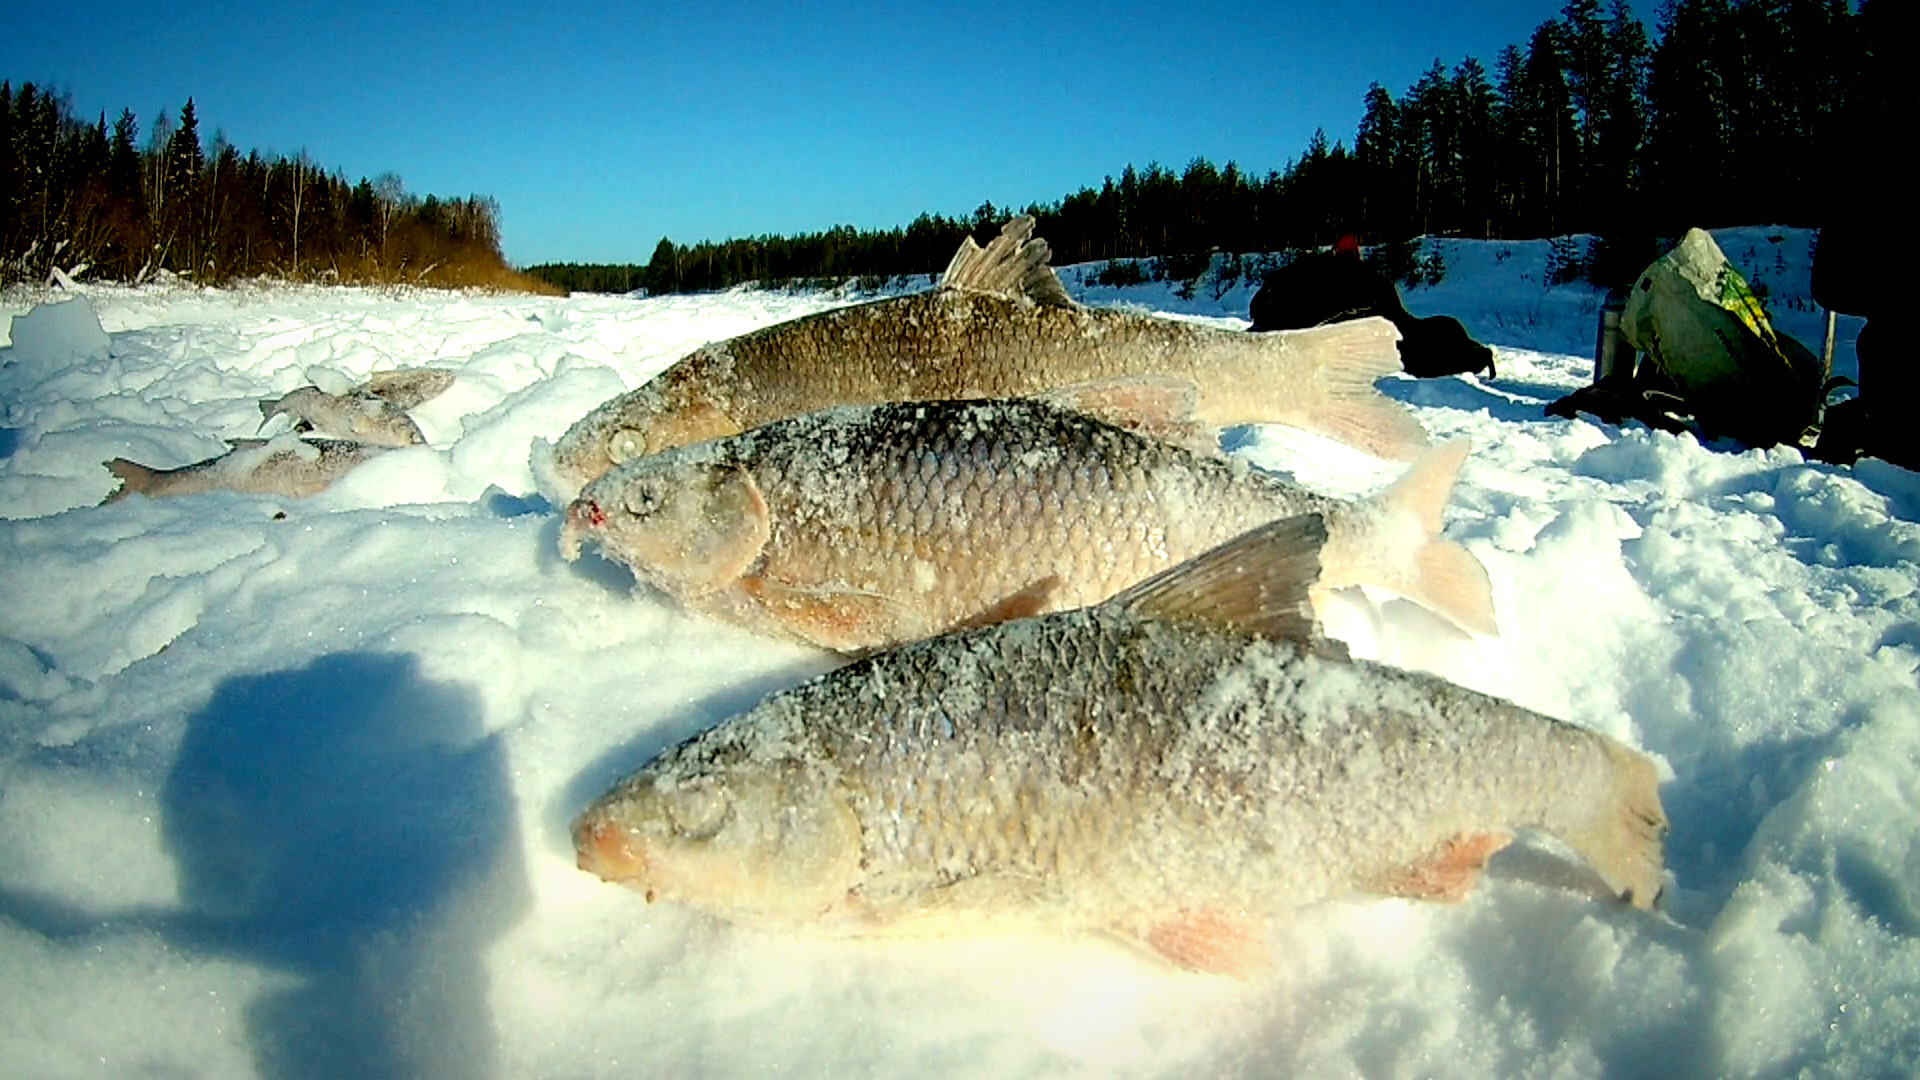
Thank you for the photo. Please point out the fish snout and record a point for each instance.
(604, 849)
(583, 516)
(586, 513)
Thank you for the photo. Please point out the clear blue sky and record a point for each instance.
(602, 127)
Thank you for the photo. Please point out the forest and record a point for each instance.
(90, 197)
(1732, 111)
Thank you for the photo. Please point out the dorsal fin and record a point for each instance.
(1012, 264)
(1256, 583)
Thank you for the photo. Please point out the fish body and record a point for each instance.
(866, 526)
(286, 466)
(1180, 766)
(1000, 325)
(356, 416)
(405, 388)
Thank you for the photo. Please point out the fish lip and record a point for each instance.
(584, 515)
(606, 850)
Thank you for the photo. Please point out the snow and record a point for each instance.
(290, 795)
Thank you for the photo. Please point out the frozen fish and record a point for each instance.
(361, 418)
(1181, 766)
(1001, 325)
(865, 526)
(286, 466)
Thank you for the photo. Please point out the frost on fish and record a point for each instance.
(861, 527)
(373, 413)
(406, 388)
(1001, 325)
(287, 466)
(1179, 766)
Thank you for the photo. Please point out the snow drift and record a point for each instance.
(284, 784)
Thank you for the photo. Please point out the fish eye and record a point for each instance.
(697, 809)
(624, 445)
(643, 501)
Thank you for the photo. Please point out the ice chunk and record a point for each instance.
(58, 333)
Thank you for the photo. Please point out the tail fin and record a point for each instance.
(134, 477)
(1437, 574)
(1349, 357)
(1622, 840)
(1447, 578)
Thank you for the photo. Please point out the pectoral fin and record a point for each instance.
(1032, 600)
(844, 620)
(1160, 406)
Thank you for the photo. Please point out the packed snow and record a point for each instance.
(286, 783)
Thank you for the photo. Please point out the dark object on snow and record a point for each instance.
(1854, 273)
(1620, 397)
(1322, 288)
(1702, 347)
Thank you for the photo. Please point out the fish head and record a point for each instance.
(661, 415)
(757, 842)
(689, 522)
(604, 439)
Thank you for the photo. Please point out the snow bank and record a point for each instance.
(284, 784)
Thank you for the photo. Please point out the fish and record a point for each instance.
(861, 527)
(1001, 325)
(406, 388)
(287, 466)
(374, 413)
(1182, 766)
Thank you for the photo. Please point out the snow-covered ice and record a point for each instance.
(285, 784)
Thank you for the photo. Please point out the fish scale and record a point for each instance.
(989, 335)
(893, 522)
(1181, 765)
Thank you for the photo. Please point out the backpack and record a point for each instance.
(1708, 342)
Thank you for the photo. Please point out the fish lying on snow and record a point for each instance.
(1180, 765)
(406, 388)
(374, 413)
(866, 526)
(1001, 325)
(285, 466)
(363, 418)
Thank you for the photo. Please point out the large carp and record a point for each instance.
(866, 526)
(1000, 325)
(1180, 765)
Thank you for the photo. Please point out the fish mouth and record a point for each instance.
(583, 516)
(605, 850)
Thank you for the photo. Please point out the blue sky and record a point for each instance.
(602, 127)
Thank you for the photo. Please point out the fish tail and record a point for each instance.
(1349, 357)
(1440, 575)
(134, 477)
(1622, 839)
(1447, 577)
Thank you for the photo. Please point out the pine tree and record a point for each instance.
(182, 221)
(1479, 150)
(1377, 152)
(1688, 154)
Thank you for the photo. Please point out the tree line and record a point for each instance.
(1732, 111)
(77, 195)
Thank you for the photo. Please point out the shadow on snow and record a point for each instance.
(328, 821)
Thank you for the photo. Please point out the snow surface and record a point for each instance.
(289, 795)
